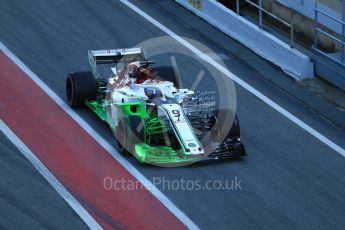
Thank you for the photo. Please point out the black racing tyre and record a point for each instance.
(227, 129)
(235, 131)
(80, 86)
(121, 136)
(167, 73)
(129, 131)
(137, 127)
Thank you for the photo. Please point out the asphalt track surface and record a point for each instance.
(289, 180)
(41, 208)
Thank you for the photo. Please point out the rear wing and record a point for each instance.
(97, 57)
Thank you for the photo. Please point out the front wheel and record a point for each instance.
(220, 132)
(129, 131)
(121, 136)
(235, 132)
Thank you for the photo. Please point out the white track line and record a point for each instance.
(39, 166)
(112, 151)
(239, 81)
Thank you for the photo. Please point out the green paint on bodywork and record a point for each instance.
(156, 126)
(144, 152)
(97, 108)
(160, 155)
(129, 108)
(133, 108)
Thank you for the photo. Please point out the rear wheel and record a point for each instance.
(167, 73)
(80, 86)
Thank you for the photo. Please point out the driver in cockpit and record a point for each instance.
(140, 73)
(137, 73)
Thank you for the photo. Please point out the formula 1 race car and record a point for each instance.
(151, 118)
